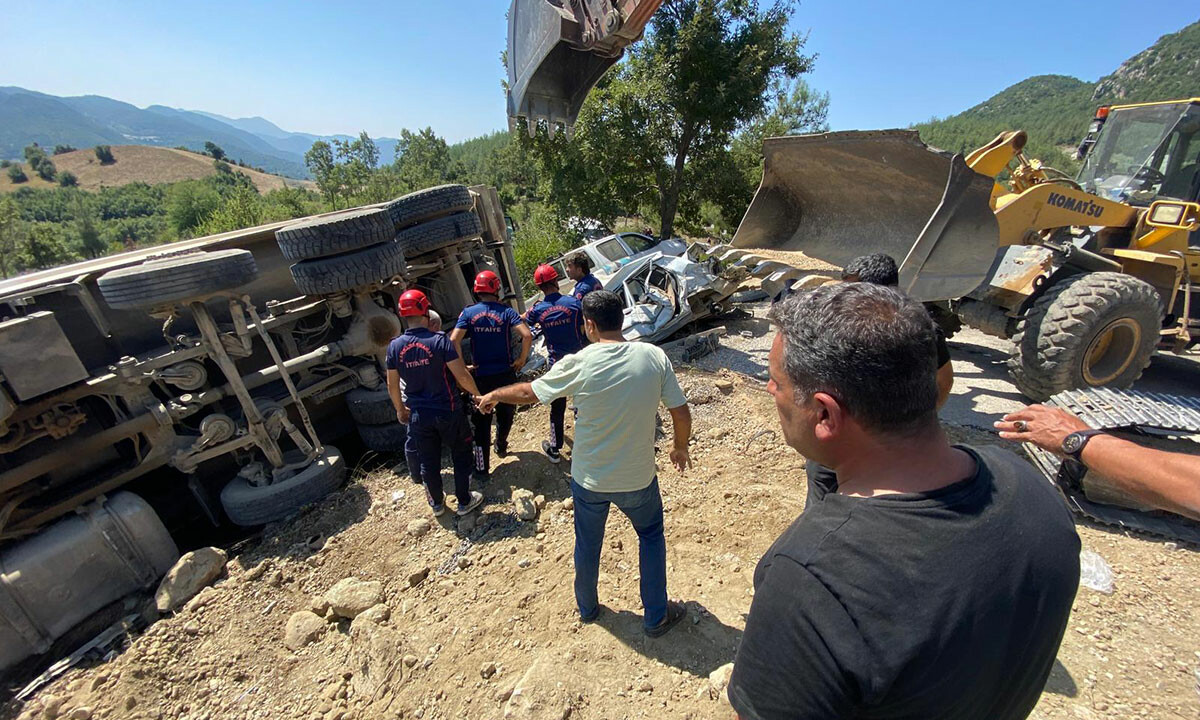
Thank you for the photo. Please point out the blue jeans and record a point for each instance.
(645, 510)
(429, 430)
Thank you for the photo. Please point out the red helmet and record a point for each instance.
(487, 282)
(544, 274)
(413, 303)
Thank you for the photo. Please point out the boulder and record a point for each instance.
(351, 596)
(194, 571)
(524, 504)
(373, 653)
(302, 628)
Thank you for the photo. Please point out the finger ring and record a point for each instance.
(1021, 425)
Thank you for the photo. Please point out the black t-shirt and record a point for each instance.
(945, 605)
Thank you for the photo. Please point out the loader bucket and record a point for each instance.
(554, 59)
(835, 196)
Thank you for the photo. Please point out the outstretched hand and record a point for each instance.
(1043, 426)
(486, 403)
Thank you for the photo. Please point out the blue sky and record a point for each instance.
(326, 67)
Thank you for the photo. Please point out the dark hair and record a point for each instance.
(603, 308)
(548, 287)
(876, 268)
(870, 346)
(581, 261)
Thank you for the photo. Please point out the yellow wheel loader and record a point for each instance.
(1087, 275)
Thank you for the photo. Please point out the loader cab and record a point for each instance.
(1145, 152)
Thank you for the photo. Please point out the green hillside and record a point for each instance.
(1055, 109)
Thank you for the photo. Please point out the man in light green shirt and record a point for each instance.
(617, 387)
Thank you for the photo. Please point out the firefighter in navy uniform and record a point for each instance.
(429, 366)
(489, 323)
(561, 319)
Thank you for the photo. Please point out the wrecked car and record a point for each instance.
(663, 293)
(609, 254)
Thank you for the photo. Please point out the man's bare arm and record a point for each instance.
(456, 337)
(518, 394)
(1165, 480)
(681, 420)
(459, 369)
(393, 386)
(526, 346)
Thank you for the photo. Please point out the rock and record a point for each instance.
(418, 577)
(464, 562)
(257, 571)
(192, 628)
(186, 578)
(205, 596)
(568, 504)
(372, 655)
(80, 713)
(468, 523)
(376, 614)
(319, 605)
(410, 660)
(725, 386)
(718, 679)
(487, 670)
(302, 628)
(350, 596)
(51, 706)
(524, 563)
(539, 501)
(646, 686)
(274, 578)
(130, 702)
(419, 527)
(717, 433)
(524, 504)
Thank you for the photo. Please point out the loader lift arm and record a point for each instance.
(558, 49)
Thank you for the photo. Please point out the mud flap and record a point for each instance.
(835, 196)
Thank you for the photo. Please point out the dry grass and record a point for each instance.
(141, 163)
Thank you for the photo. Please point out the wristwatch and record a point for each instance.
(1073, 444)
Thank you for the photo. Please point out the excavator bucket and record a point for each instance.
(835, 196)
(558, 49)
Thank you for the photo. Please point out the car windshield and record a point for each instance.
(1144, 153)
(638, 243)
(612, 249)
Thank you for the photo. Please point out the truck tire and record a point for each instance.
(439, 233)
(177, 279)
(341, 233)
(321, 276)
(386, 438)
(371, 407)
(1091, 330)
(248, 505)
(429, 203)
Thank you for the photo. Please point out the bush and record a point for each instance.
(104, 155)
(540, 237)
(16, 174)
(60, 149)
(66, 178)
(223, 167)
(5, 163)
(189, 204)
(44, 168)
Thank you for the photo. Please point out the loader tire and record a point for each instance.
(178, 279)
(324, 236)
(386, 438)
(1091, 330)
(370, 407)
(248, 505)
(437, 234)
(429, 203)
(322, 276)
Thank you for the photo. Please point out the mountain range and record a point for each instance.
(28, 116)
(1055, 110)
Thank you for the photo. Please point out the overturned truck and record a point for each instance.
(210, 375)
